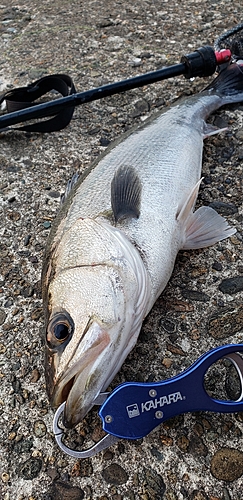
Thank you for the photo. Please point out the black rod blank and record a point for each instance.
(202, 62)
(53, 107)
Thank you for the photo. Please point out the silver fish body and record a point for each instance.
(103, 271)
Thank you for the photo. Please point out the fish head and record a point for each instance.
(94, 317)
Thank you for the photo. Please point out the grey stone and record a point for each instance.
(231, 285)
(31, 468)
(115, 474)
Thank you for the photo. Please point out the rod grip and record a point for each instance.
(201, 63)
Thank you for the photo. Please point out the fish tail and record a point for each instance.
(229, 83)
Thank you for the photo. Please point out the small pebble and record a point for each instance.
(35, 375)
(167, 362)
(14, 216)
(166, 440)
(226, 495)
(217, 266)
(104, 142)
(198, 495)
(5, 477)
(12, 199)
(37, 313)
(174, 349)
(9, 303)
(224, 324)
(224, 208)
(23, 445)
(115, 474)
(170, 495)
(52, 473)
(54, 194)
(197, 447)
(108, 455)
(11, 436)
(27, 291)
(156, 453)
(39, 428)
(31, 468)
(168, 325)
(2, 348)
(183, 443)
(231, 285)
(227, 464)
(33, 259)
(27, 240)
(195, 295)
(153, 484)
(136, 61)
(61, 490)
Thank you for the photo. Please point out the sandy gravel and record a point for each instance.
(197, 456)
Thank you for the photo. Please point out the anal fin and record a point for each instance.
(125, 193)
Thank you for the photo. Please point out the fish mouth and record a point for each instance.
(82, 382)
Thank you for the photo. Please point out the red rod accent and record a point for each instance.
(223, 56)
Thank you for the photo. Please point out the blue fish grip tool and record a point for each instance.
(134, 409)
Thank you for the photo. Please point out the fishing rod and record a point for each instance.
(203, 62)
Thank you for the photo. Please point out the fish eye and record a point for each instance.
(60, 329)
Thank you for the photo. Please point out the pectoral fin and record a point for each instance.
(209, 130)
(204, 227)
(125, 193)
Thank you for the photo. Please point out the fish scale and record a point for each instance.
(161, 191)
(158, 162)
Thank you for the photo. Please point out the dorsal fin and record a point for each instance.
(125, 193)
(70, 184)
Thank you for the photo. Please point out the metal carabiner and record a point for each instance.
(107, 441)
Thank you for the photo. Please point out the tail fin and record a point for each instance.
(229, 83)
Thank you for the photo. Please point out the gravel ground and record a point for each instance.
(198, 456)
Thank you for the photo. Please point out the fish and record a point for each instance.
(112, 247)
